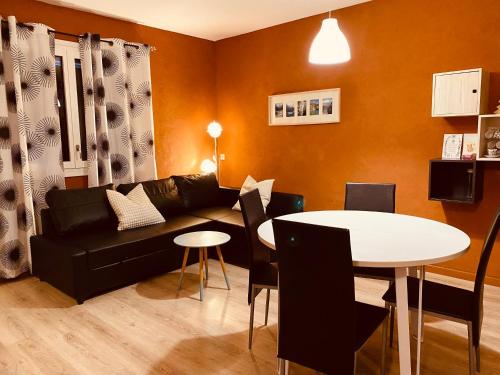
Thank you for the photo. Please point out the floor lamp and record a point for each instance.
(215, 130)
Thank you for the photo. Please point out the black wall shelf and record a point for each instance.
(458, 181)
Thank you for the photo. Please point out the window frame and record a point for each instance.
(69, 51)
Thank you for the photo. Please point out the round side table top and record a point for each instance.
(206, 238)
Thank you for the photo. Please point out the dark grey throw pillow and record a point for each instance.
(198, 190)
(81, 210)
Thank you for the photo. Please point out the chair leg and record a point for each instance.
(355, 362)
(384, 346)
(472, 367)
(478, 358)
(283, 366)
(252, 309)
(267, 306)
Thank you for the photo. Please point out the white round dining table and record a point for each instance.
(389, 240)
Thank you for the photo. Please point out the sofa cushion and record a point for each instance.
(162, 193)
(198, 191)
(104, 249)
(235, 219)
(82, 210)
(212, 213)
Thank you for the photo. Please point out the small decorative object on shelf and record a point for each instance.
(452, 146)
(497, 112)
(470, 147)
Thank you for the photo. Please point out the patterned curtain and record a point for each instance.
(30, 138)
(118, 111)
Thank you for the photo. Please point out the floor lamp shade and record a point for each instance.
(330, 45)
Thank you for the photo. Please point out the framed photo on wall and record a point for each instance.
(307, 107)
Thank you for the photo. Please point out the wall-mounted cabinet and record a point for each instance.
(458, 181)
(460, 93)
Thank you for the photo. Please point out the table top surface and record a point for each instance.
(206, 238)
(383, 239)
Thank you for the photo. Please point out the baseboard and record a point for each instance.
(495, 281)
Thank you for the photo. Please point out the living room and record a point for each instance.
(139, 224)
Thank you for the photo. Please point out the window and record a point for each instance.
(71, 108)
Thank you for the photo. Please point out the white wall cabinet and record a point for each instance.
(460, 93)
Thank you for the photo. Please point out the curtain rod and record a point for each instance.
(110, 42)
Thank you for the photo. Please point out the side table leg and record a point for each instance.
(183, 268)
(221, 260)
(205, 252)
(201, 273)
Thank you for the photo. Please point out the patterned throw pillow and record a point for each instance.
(134, 210)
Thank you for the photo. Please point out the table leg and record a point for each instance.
(223, 266)
(183, 268)
(419, 318)
(403, 322)
(205, 252)
(416, 272)
(201, 272)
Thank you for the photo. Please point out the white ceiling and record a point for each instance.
(207, 19)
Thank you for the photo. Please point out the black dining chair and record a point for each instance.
(456, 304)
(263, 274)
(321, 325)
(378, 197)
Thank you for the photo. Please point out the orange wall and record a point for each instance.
(386, 133)
(183, 80)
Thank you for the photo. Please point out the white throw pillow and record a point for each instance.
(135, 209)
(265, 188)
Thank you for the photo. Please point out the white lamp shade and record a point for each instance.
(208, 166)
(330, 46)
(214, 129)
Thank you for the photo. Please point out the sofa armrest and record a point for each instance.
(60, 264)
(229, 196)
(285, 203)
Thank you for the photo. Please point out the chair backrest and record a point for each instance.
(489, 242)
(253, 215)
(316, 296)
(370, 197)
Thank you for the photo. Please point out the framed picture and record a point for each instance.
(308, 107)
(470, 147)
(452, 146)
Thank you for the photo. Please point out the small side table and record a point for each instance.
(201, 240)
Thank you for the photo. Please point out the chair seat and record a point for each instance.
(368, 319)
(375, 273)
(437, 298)
(265, 274)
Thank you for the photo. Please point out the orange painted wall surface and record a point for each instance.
(386, 133)
(183, 80)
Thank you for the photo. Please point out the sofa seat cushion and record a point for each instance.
(235, 219)
(111, 247)
(213, 213)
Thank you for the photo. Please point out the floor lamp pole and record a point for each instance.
(216, 157)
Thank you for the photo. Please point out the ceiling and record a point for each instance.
(207, 19)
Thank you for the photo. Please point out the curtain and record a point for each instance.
(118, 111)
(30, 138)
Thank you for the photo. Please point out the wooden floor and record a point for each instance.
(148, 328)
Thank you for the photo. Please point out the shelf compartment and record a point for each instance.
(457, 181)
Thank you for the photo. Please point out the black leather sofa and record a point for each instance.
(82, 254)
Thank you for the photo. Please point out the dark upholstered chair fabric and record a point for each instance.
(452, 302)
(371, 197)
(321, 326)
(261, 271)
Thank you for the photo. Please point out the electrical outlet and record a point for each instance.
(222, 156)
